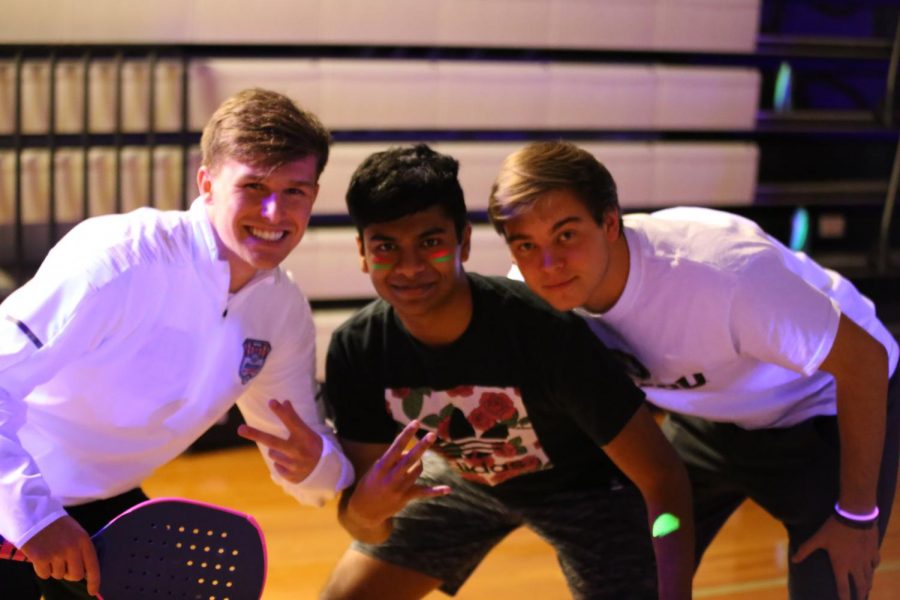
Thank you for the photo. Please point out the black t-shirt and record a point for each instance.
(521, 401)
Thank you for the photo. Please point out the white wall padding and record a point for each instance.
(647, 174)
(704, 173)
(710, 25)
(386, 94)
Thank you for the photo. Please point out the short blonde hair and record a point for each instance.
(263, 128)
(541, 167)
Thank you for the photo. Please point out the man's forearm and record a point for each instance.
(672, 526)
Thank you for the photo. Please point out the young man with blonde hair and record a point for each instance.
(777, 375)
(140, 330)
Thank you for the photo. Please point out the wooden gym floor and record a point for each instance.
(747, 561)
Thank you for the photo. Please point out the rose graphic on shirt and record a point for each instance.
(484, 433)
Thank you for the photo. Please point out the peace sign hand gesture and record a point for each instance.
(390, 483)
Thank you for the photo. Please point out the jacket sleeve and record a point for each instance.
(43, 325)
(289, 374)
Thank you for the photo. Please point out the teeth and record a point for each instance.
(269, 236)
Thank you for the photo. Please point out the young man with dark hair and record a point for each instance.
(778, 376)
(141, 330)
(526, 426)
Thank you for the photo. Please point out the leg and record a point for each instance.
(813, 578)
(359, 576)
(436, 542)
(715, 495)
(601, 539)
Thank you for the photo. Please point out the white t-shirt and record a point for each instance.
(125, 347)
(721, 321)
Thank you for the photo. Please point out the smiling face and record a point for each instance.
(415, 264)
(258, 215)
(565, 256)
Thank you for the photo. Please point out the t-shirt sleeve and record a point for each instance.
(779, 318)
(353, 393)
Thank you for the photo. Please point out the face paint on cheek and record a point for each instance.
(440, 256)
(381, 264)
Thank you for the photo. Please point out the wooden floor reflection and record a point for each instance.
(747, 561)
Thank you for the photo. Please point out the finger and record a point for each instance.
(415, 453)
(282, 458)
(805, 549)
(91, 568)
(862, 581)
(288, 415)
(395, 451)
(425, 491)
(42, 569)
(843, 585)
(266, 439)
(74, 570)
(58, 568)
(411, 474)
(284, 472)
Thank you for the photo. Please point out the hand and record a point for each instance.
(63, 550)
(295, 457)
(853, 553)
(390, 483)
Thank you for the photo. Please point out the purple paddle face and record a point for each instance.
(171, 548)
(180, 549)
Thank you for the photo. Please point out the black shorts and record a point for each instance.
(601, 536)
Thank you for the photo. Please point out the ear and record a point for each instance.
(465, 244)
(204, 181)
(612, 222)
(360, 247)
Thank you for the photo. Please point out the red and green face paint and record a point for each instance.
(440, 256)
(380, 263)
(383, 263)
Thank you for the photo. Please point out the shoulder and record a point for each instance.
(110, 245)
(703, 240)
(510, 304)
(367, 322)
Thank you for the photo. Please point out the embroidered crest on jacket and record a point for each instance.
(255, 354)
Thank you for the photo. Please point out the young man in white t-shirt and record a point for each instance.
(774, 370)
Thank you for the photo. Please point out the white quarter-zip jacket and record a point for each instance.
(126, 346)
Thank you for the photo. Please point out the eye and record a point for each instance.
(432, 243)
(297, 191)
(523, 247)
(254, 186)
(384, 248)
(568, 235)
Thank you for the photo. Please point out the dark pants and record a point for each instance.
(792, 473)
(19, 581)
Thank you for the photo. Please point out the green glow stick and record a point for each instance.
(665, 524)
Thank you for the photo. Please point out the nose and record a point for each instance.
(271, 207)
(550, 259)
(409, 264)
